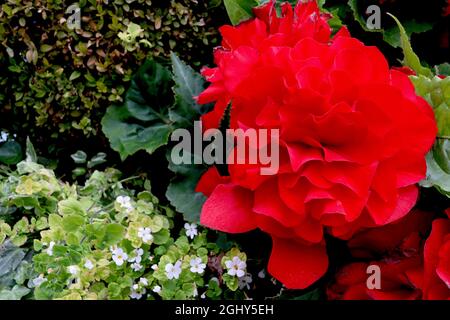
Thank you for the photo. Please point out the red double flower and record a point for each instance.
(353, 137)
(411, 266)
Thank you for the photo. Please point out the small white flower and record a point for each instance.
(50, 248)
(119, 256)
(137, 292)
(173, 271)
(151, 258)
(113, 249)
(156, 289)
(143, 281)
(145, 234)
(4, 136)
(73, 270)
(245, 281)
(137, 256)
(39, 280)
(236, 267)
(136, 266)
(88, 264)
(191, 230)
(154, 267)
(123, 200)
(197, 266)
(203, 296)
(135, 295)
(125, 203)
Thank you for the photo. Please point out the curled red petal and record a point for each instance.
(229, 209)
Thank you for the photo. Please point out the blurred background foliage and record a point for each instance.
(56, 83)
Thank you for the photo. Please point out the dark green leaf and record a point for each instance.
(312, 295)
(188, 84)
(142, 122)
(392, 35)
(240, 10)
(410, 58)
(181, 190)
(10, 153)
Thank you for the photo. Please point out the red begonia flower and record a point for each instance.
(353, 136)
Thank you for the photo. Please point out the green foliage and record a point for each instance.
(390, 33)
(436, 91)
(410, 58)
(15, 269)
(103, 240)
(181, 190)
(85, 166)
(151, 109)
(57, 82)
(240, 10)
(10, 152)
(142, 122)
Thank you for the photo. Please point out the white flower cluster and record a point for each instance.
(136, 259)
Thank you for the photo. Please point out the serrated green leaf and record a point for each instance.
(392, 35)
(410, 58)
(188, 84)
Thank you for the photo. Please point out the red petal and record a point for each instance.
(228, 209)
(209, 180)
(297, 265)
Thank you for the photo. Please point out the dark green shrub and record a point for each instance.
(57, 82)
